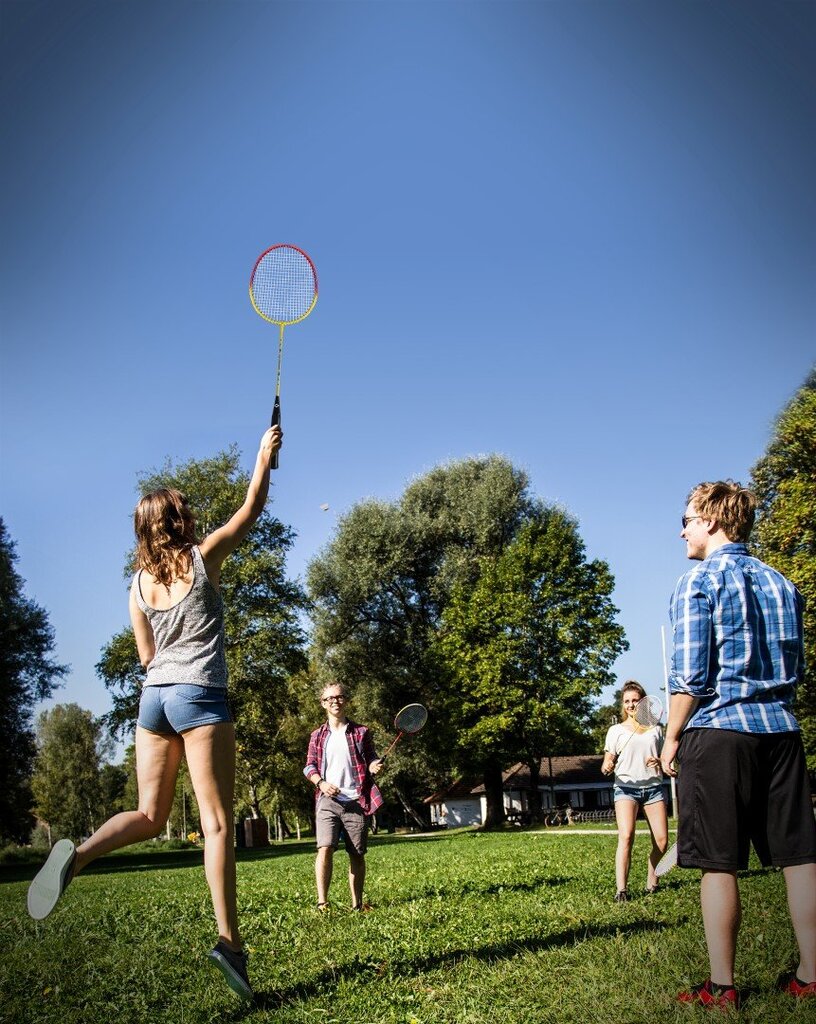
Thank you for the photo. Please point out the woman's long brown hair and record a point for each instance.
(165, 533)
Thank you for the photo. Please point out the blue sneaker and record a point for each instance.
(234, 968)
(52, 879)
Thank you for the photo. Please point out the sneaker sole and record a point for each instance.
(234, 980)
(49, 882)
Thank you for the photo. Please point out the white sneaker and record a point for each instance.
(51, 880)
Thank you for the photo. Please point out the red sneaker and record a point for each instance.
(721, 997)
(794, 987)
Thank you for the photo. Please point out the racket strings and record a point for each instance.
(283, 285)
(411, 718)
(648, 712)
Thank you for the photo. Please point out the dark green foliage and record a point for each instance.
(785, 534)
(28, 674)
(470, 596)
(529, 646)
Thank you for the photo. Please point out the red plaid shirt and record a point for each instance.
(361, 749)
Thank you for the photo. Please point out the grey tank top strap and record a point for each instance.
(189, 637)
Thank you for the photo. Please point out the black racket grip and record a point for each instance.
(273, 462)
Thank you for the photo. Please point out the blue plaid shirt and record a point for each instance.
(738, 643)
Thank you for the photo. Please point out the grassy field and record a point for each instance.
(512, 928)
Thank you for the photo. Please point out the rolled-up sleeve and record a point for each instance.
(691, 617)
(311, 756)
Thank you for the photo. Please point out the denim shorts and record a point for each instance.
(175, 707)
(642, 795)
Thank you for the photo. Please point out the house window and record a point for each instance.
(604, 797)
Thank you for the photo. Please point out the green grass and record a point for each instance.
(513, 928)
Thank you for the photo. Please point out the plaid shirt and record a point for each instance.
(738, 643)
(361, 749)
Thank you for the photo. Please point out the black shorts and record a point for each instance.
(738, 788)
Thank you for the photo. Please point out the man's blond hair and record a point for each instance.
(731, 504)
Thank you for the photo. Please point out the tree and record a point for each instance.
(784, 480)
(528, 647)
(264, 635)
(379, 591)
(27, 675)
(406, 588)
(66, 782)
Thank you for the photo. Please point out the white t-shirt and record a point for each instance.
(337, 766)
(630, 768)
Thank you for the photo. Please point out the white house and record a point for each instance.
(574, 782)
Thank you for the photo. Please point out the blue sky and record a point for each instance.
(581, 234)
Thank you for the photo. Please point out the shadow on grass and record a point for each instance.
(154, 860)
(368, 967)
(470, 888)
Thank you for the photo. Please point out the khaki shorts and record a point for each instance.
(333, 816)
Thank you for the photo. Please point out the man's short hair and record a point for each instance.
(332, 682)
(731, 504)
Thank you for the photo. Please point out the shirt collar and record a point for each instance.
(731, 548)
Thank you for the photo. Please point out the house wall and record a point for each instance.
(455, 813)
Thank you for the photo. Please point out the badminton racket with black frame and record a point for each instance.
(282, 290)
(409, 719)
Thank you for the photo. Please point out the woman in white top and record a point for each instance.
(632, 752)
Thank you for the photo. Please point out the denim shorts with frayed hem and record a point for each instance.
(642, 795)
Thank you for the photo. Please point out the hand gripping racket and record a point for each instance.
(409, 719)
(648, 712)
(282, 290)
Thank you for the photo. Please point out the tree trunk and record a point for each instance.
(494, 793)
(534, 796)
(409, 809)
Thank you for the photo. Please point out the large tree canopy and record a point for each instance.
(413, 596)
(28, 674)
(528, 647)
(785, 534)
(264, 635)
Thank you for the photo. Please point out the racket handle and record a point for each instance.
(273, 462)
(391, 747)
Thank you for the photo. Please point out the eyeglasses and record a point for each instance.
(334, 700)
(687, 519)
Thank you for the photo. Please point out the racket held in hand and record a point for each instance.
(409, 719)
(283, 291)
(648, 713)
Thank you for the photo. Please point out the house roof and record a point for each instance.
(581, 769)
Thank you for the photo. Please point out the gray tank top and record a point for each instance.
(189, 637)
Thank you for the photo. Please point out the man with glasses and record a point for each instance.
(340, 764)
(738, 657)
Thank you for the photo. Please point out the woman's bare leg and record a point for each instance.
(659, 827)
(210, 751)
(626, 816)
(157, 763)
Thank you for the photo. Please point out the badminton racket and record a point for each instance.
(667, 861)
(648, 713)
(409, 719)
(282, 290)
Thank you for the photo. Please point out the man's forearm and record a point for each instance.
(681, 707)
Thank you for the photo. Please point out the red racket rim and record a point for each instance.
(260, 301)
